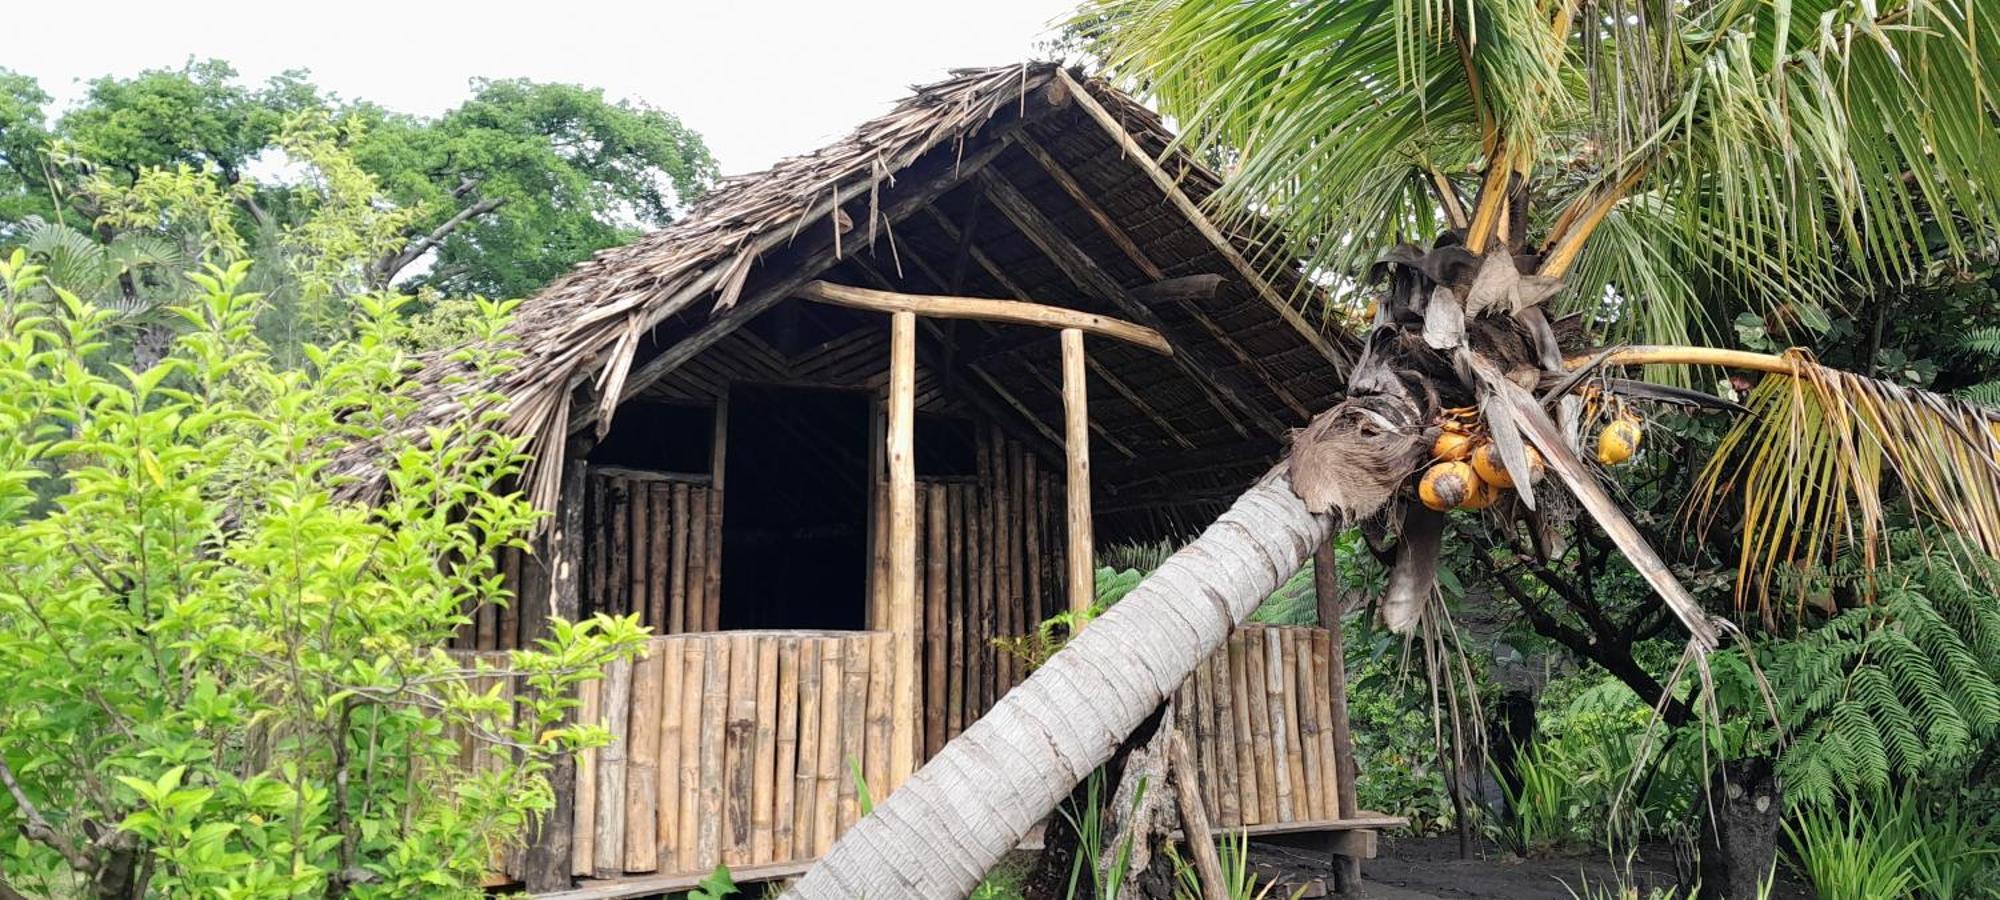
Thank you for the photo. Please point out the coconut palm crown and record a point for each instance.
(1531, 177)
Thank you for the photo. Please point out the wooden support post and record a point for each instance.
(548, 854)
(903, 543)
(1081, 574)
(1326, 588)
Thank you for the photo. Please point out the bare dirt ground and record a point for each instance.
(1430, 869)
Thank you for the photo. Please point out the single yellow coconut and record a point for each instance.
(1447, 485)
(1486, 462)
(1452, 444)
(1619, 440)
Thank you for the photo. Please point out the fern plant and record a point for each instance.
(1907, 686)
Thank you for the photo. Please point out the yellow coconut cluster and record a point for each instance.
(1466, 471)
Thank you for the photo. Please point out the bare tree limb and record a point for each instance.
(386, 269)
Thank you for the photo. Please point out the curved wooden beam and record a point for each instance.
(1014, 312)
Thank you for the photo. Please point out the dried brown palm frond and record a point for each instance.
(1809, 466)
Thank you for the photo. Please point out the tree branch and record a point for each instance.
(38, 829)
(386, 269)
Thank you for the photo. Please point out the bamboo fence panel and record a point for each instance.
(1259, 717)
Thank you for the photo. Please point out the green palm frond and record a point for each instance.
(1809, 465)
(75, 261)
(1774, 151)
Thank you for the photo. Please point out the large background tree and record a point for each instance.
(513, 186)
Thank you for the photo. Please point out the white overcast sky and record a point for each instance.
(758, 80)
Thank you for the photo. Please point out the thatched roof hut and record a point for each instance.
(836, 519)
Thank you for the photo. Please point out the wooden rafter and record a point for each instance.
(1138, 256)
(1096, 368)
(899, 205)
(1084, 271)
(1202, 223)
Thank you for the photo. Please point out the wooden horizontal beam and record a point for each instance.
(1012, 312)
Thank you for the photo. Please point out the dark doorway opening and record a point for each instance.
(795, 509)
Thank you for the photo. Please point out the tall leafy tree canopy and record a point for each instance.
(510, 188)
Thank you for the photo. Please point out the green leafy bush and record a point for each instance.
(222, 680)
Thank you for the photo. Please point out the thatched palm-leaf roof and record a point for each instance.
(994, 182)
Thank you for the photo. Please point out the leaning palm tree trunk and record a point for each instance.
(939, 833)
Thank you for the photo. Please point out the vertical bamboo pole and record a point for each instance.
(687, 806)
(617, 702)
(673, 675)
(1228, 787)
(763, 786)
(659, 555)
(935, 558)
(786, 751)
(739, 751)
(642, 759)
(714, 721)
(697, 559)
(833, 689)
(957, 575)
(1326, 590)
(639, 554)
(903, 545)
(717, 470)
(677, 622)
(805, 787)
(584, 835)
(1076, 441)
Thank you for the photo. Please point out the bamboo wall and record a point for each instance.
(1257, 716)
(736, 748)
(654, 547)
(989, 563)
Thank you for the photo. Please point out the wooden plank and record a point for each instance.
(1076, 445)
(738, 752)
(666, 809)
(785, 752)
(677, 589)
(879, 714)
(763, 785)
(617, 700)
(805, 776)
(832, 686)
(905, 709)
(673, 883)
(551, 859)
(687, 805)
(716, 670)
(642, 760)
(936, 549)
